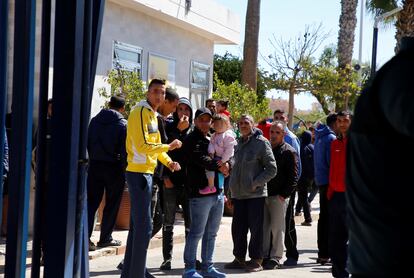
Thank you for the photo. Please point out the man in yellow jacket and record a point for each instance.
(144, 148)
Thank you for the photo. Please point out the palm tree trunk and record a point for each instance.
(251, 44)
(405, 22)
(346, 38)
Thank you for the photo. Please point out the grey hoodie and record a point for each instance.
(254, 166)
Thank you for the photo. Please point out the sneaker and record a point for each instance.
(236, 264)
(198, 265)
(253, 266)
(148, 274)
(92, 246)
(113, 242)
(191, 273)
(271, 264)
(166, 265)
(120, 265)
(306, 223)
(323, 261)
(290, 262)
(212, 272)
(207, 190)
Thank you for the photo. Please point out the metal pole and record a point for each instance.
(21, 138)
(41, 148)
(374, 51)
(361, 32)
(4, 9)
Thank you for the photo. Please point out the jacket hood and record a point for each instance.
(305, 138)
(190, 119)
(323, 130)
(144, 103)
(107, 116)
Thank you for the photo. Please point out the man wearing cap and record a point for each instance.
(205, 210)
(107, 161)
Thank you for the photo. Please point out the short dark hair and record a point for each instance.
(331, 119)
(278, 111)
(116, 102)
(282, 123)
(344, 113)
(156, 82)
(209, 100)
(171, 94)
(224, 103)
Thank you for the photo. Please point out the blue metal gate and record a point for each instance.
(77, 34)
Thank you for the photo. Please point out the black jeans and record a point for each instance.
(171, 198)
(290, 232)
(156, 208)
(303, 202)
(338, 235)
(248, 215)
(108, 177)
(323, 223)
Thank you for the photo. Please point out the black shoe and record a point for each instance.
(290, 262)
(166, 265)
(271, 264)
(113, 242)
(92, 246)
(198, 265)
(323, 261)
(121, 265)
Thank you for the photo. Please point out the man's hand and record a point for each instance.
(174, 166)
(176, 144)
(229, 203)
(168, 183)
(184, 123)
(225, 168)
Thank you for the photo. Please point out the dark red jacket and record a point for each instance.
(337, 167)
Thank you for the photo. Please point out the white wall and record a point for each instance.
(155, 36)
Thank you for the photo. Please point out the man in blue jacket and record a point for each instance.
(324, 135)
(107, 162)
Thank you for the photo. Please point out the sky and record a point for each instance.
(287, 19)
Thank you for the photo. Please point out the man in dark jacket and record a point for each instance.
(174, 192)
(206, 211)
(279, 189)
(107, 162)
(306, 179)
(379, 175)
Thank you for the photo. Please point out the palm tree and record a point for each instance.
(405, 21)
(346, 38)
(251, 44)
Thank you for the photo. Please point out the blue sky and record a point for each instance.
(287, 19)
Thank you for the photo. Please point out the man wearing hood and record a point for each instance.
(174, 192)
(107, 161)
(324, 135)
(306, 179)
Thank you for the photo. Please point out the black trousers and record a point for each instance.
(338, 235)
(303, 201)
(109, 178)
(173, 197)
(290, 232)
(248, 216)
(156, 207)
(323, 223)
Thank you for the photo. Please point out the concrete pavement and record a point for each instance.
(105, 267)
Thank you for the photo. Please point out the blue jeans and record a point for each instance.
(205, 213)
(140, 226)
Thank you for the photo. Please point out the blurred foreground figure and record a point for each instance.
(379, 178)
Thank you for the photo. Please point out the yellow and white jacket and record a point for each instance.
(143, 142)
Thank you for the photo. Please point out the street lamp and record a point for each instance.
(378, 19)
